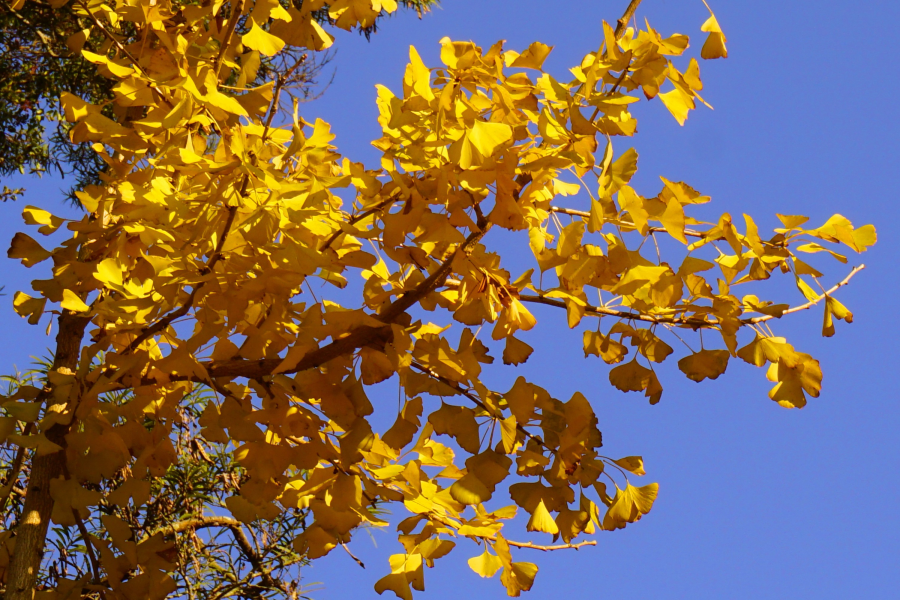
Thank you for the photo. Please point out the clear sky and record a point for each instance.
(756, 501)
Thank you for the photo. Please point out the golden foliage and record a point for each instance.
(193, 265)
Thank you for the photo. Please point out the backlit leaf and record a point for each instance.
(485, 564)
(262, 41)
(706, 364)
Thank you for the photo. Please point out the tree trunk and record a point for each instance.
(31, 533)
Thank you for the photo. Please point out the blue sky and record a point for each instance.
(756, 501)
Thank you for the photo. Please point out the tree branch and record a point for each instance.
(622, 23)
(476, 400)
(809, 304)
(694, 322)
(14, 470)
(550, 548)
(355, 219)
(237, 531)
(31, 534)
(216, 256)
(601, 311)
(119, 45)
(357, 338)
(366, 335)
(587, 215)
(347, 550)
(434, 281)
(237, 11)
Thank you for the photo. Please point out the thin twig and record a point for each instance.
(587, 215)
(347, 550)
(119, 45)
(600, 311)
(622, 23)
(236, 13)
(693, 322)
(530, 545)
(14, 469)
(45, 40)
(809, 304)
(619, 81)
(355, 219)
(476, 400)
(550, 548)
(95, 566)
(237, 531)
(279, 86)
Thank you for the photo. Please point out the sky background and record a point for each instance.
(756, 501)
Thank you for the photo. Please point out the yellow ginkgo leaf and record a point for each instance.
(418, 77)
(633, 204)
(706, 364)
(509, 434)
(72, 302)
(516, 351)
(23, 411)
(542, 520)
(610, 350)
(533, 57)
(796, 374)
(37, 216)
(809, 293)
(119, 70)
(315, 542)
(26, 306)
(629, 505)
(470, 490)
(352, 13)
(481, 141)
(302, 31)
(714, 47)
(261, 40)
(673, 220)
(459, 422)
(485, 564)
(620, 172)
(679, 104)
(833, 308)
(38, 442)
(518, 577)
(630, 377)
(109, 272)
(635, 464)
(29, 251)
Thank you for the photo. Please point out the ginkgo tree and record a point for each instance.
(188, 331)
(40, 57)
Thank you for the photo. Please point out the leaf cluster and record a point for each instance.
(39, 56)
(179, 518)
(226, 252)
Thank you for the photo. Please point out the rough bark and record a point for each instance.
(31, 532)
